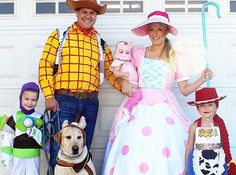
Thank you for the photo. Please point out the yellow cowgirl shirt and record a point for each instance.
(79, 66)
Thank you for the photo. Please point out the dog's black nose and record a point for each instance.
(75, 149)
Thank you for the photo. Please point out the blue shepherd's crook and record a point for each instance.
(204, 30)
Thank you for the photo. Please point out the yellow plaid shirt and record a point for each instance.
(79, 66)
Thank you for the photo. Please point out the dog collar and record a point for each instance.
(77, 166)
(69, 157)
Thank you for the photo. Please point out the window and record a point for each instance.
(62, 8)
(45, 8)
(123, 6)
(7, 7)
(185, 6)
(232, 5)
(51, 7)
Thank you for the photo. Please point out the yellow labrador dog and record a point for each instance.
(73, 157)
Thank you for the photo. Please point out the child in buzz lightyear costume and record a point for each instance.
(21, 137)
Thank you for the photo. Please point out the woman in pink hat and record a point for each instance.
(208, 138)
(153, 142)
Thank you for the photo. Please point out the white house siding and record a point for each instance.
(23, 36)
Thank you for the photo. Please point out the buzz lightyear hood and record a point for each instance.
(28, 86)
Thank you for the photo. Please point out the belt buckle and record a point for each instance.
(81, 95)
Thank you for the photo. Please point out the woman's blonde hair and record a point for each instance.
(168, 53)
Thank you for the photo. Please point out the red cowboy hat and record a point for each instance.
(90, 4)
(156, 16)
(205, 95)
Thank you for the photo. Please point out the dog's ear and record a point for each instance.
(65, 123)
(82, 122)
(57, 137)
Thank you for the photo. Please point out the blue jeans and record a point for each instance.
(69, 108)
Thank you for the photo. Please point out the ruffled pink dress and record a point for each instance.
(153, 143)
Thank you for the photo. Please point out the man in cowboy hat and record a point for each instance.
(73, 90)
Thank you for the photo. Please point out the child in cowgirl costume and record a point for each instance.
(208, 138)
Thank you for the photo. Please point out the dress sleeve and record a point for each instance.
(182, 67)
(136, 55)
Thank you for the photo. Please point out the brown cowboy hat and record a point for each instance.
(90, 4)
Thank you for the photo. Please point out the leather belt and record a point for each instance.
(79, 95)
(208, 146)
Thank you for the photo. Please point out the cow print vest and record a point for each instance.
(208, 154)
